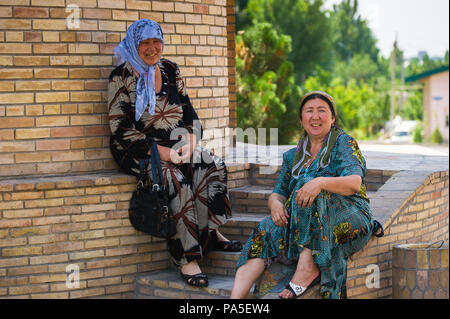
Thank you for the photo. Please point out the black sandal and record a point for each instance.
(197, 280)
(233, 246)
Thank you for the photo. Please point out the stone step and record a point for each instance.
(167, 284)
(220, 263)
(223, 263)
(264, 175)
(312, 293)
(240, 226)
(250, 199)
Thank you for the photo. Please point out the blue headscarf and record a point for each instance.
(127, 50)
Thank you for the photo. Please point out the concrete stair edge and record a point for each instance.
(169, 284)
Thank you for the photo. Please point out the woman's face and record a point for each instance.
(150, 50)
(317, 118)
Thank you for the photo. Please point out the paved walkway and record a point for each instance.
(398, 157)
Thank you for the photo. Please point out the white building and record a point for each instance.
(435, 100)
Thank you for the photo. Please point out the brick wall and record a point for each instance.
(53, 77)
(47, 224)
(423, 217)
(231, 31)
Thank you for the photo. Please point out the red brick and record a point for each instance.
(32, 36)
(24, 12)
(63, 247)
(43, 145)
(16, 122)
(201, 8)
(66, 131)
(90, 13)
(50, 48)
(15, 223)
(98, 130)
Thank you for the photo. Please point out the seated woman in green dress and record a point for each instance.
(320, 213)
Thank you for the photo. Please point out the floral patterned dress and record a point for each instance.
(197, 191)
(334, 227)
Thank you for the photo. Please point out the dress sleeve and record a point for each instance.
(190, 117)
(284, 178)
(349, 160)
(122, 126)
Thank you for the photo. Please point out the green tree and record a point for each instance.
(306, 23)
(241, 13)
(360, 68)
(418, 133)
(436, 137)
(413, 109)
(266, 87)
(351, 34)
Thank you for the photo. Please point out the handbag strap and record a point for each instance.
(143, 177)
(158, 179)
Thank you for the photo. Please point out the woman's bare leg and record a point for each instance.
(246, 275)
(305, 273)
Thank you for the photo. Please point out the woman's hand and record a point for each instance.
(307, 194)
(277, 210)
(168, 154)
(187, 150)
(179, 156)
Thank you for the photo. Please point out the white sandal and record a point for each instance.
(297, 290)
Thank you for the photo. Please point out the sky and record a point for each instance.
(420, 25)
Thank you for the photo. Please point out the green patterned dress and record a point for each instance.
(334, 227)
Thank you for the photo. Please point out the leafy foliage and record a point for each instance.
(266, 87)
(288, 47)
(413, 109)
(307, 25)
(418, 133)
(436, 137)
(351, 33)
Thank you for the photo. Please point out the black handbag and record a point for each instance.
(149, 210)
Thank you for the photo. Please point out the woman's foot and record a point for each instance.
(223, 244)
(296, 290)
(220, 237)
(305, 281)
(302, 277)
(193, 275)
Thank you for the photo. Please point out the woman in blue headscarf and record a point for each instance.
(148, 103)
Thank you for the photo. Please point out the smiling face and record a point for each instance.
(150, 50)
(317, 119)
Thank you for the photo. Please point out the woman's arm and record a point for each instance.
(342, 185)
(281, 192)
(277, 210)
(122, 127)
